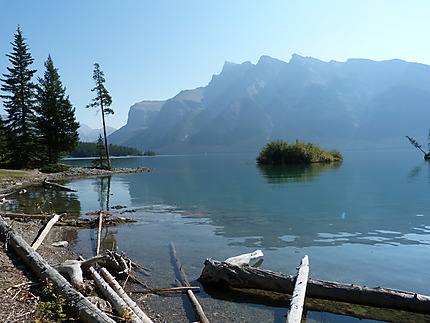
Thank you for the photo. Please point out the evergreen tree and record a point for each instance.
(20, 105)
(102, 100)
(101, 161)
(56, 119)
(3, 145)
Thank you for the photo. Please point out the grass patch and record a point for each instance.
(12, 173)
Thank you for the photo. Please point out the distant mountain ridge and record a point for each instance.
(87, 134)
(354, 104)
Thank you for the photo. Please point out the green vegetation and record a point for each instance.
(56, 116)
(54, 168)
(11, 173)
(89, 149)
(102, 161)
(280, 152)
(102, 100)
(40, 123)
(20, 104)
(51, 308)
(149, 153)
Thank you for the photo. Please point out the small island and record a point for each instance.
(280, 152)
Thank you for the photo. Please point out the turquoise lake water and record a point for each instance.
(365, 221)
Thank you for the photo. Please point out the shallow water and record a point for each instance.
(365, 221)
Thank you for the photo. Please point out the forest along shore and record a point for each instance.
(20, 289)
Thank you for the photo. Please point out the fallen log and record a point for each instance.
(117, 302)
(24, 216)
(79, 305)
(298, 297)
(99, 233)
(22, 191)
(121, 293)
(75, 268)
(196, 305)
(45, 231)
(216, 272)
(168, 289)
(47, 184)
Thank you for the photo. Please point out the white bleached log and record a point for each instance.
(117, 302)
(45, 231)
(245, 259)
(298, 298)
(74, 269)
(121, 293)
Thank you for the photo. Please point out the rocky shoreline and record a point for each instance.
(20, 289)
(11, 180)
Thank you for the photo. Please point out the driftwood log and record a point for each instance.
(47, 184)
(216, 272)
(75, 268)
(298, 297)
(45, 231)
(79, 305)
(117, 302)
(121, 293)
(200, 315)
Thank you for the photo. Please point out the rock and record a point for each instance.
(60, 244)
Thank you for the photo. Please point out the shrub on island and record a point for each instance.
(280, 152)
(54, 168)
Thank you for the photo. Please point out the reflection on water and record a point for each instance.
(102, 188)
(40, 200)
(364, 221)
(280, 174)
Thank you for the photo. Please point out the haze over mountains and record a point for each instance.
(87, 134)
(354, 104)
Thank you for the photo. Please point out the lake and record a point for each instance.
(365, 221)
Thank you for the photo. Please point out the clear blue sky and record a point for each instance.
(151, 50)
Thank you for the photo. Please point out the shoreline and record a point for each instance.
(11, 180)
(20, 288)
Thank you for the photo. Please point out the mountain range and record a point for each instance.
(87, 134)
(355, 104)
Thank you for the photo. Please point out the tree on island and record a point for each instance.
(56, 118)
(102, 100)
(20, 126)
(101, 160)
(417, 145)
(280, 152)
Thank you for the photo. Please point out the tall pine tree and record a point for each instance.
(56, 119)
(102, 100)
(20, 105)
(3, 145)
